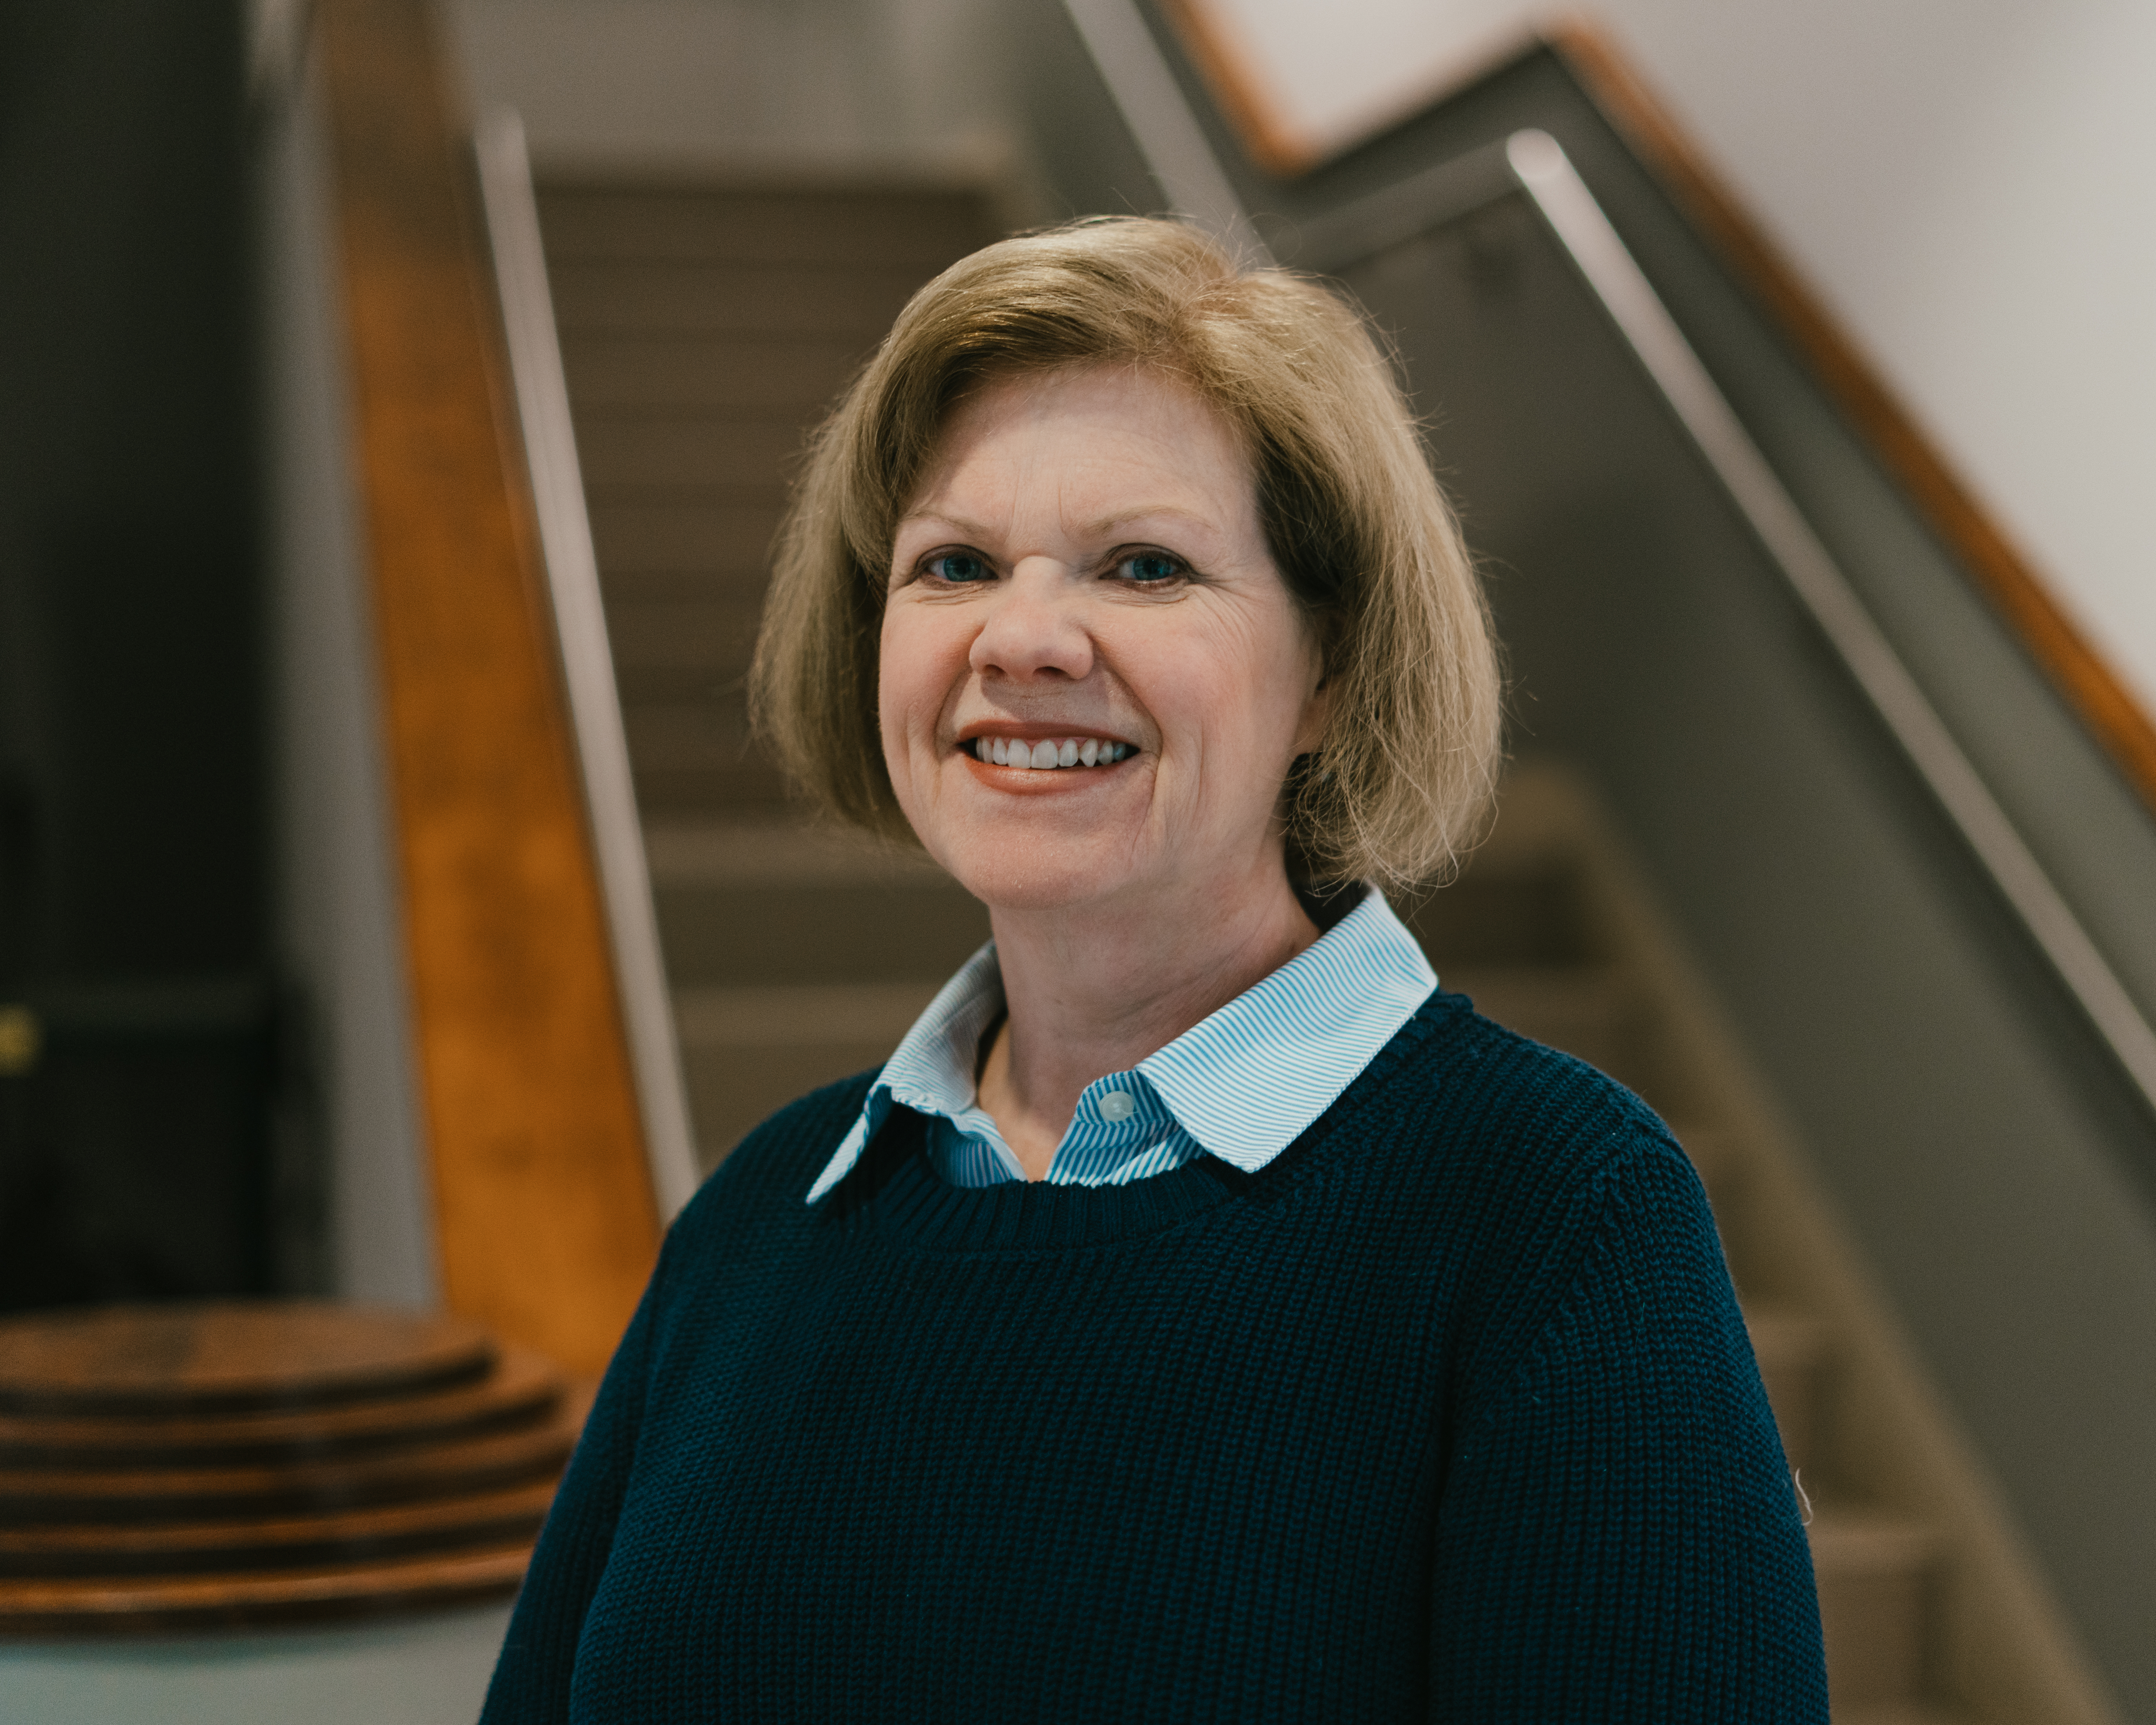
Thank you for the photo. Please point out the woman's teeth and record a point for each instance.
(1069, 752)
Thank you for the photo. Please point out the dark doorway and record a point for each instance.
(135, 1033)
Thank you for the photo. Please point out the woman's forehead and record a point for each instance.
(1112, 444)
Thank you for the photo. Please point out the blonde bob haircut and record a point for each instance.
(1354, 518)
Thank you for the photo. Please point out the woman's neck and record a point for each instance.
(1092, 990)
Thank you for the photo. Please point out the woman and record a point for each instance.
(1199, 1315)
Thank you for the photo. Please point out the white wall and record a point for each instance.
(1971, 184)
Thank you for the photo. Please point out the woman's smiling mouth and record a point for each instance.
(1047, 753)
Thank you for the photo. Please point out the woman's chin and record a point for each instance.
(1035, 884)
(1035, 852)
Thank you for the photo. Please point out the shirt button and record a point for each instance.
(1118, 1105)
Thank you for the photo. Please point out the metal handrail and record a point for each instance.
(572, 581)
(1600, 254)
(1169, 136)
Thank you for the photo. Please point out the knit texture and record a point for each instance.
(1448, 1413)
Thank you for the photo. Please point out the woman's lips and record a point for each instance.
(1046, 753)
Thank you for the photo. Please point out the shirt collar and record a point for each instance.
(1244, 1082)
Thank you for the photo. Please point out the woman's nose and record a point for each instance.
(1034, 627)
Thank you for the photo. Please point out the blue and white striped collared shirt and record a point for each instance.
(1241, 1084)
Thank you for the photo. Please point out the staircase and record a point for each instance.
(703, 326)
(239, 1464)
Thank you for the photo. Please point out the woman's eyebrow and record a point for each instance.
(1108, 524)
(1101, 527)
(957, 524)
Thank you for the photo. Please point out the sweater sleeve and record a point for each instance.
(533, 1676)
(1618, 1536)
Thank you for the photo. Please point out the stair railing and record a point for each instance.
(580, 633)
(1534, 162)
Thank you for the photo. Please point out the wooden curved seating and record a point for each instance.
(176, 1466)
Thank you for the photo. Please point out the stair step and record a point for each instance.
(921, 228)
(801, 1016)
(691, 754)
(729, 854)
(1716, 1155)
(1874, 1574)
(744, 904)
(707, 639)
(1791, 1348)
(748, 1051)
(1493, 915)
(715, 539)
(794, 374)
(628, 451)
(748, 786)
(740, 571)
(602, 295)
(1593, 1011)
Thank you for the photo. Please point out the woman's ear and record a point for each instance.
(1316, 717)
(1320, 625)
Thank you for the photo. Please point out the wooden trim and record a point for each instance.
(545, 1217)
(1269, 137)
(1997, 565)
(1277, 147)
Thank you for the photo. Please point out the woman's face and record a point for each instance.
(1083, 577)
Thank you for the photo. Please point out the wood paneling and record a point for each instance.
(516, 1389)
(1992, 559)
(546, 1219)
(219, 1358)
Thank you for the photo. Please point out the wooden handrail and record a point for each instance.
(545, 1217)
(1998, 566)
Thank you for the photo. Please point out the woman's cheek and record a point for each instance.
(894, 733)
(911, 696)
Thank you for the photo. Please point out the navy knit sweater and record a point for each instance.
(1448, 1413)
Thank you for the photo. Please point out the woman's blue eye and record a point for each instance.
(960, 565)
(1150, 565)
